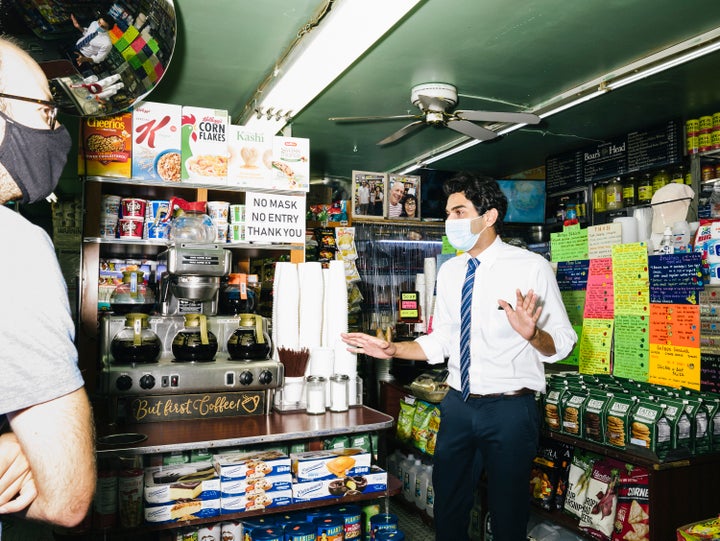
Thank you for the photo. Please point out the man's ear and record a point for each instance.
(486, 220)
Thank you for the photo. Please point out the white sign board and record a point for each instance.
(274, 218)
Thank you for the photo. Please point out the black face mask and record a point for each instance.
(34, 158)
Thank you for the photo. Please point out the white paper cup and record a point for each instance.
(218, 210)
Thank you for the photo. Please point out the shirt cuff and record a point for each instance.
(433, 350)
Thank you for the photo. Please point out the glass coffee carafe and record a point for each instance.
(136, 343)
(195, 342)
(251, 340)
(132, 295)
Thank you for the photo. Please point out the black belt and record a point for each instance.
(518, 392)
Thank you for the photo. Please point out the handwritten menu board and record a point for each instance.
(675, 278)
(635, 151)
(631, 347)
(595, 344)
(600, 289)
(710, 372)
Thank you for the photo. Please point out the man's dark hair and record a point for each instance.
(109, 19)
(483, 192)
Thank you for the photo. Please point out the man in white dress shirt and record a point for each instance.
(94, 46)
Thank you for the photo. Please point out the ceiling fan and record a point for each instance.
(435, 101)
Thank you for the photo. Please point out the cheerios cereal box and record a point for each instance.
(204, 145)
(105, 146)
(156, 141)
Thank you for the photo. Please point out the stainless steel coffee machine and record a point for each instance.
(191, 281)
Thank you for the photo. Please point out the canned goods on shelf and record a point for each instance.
(692, 144)
(705, 141)
(707, 172)
(706, 123)
(692, 126)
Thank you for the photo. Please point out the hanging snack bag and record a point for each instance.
(419, 429)
(632, 519)
(598, 515)
(579, 474)
(405, 418)
(433, 427)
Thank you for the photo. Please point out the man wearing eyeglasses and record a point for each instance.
(47, 468)
(94, 46)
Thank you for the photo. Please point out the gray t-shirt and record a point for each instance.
(38, 354)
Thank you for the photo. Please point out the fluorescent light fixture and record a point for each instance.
(653, 64)
(346, 30)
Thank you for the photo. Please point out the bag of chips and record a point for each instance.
(598, 514)
(405, 419)
(632, 521)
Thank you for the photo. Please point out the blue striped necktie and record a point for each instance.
(87, 39)
(465, 319)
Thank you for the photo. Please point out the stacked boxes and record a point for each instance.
(253, 481)
(204, 145)
(106, 146)
(181, 492)
(156, 142)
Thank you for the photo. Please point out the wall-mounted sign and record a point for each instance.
(274, 218)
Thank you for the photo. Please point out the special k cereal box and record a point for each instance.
(156, 141)
(105, 146)
(204, 145)
(290, 164)
(251, 155)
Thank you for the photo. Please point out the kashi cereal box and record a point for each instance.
(250, 157)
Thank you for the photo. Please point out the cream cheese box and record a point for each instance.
(248, 487)
(266, 500)
(329, 464)
(204, 145)
(290, 164)
(251, 465)
(156, 141)
(322, 489)
(195, 480)
(182, 510)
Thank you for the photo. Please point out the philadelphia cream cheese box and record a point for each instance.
(254, 502)
(195, 480)
(329, 464)
(290, 164)
(156, 141)
(321, 489)
(204, 145)
(250, 157)
(251, 465)
(182, 510)
(248, 487)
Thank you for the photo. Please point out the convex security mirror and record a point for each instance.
(95, 74)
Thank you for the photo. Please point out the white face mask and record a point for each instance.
(460, 235)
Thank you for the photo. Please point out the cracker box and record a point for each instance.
(182, 510)
(156, 142)
(105, 146)
(322, 489)
(204, 145)
(255, 502)
(193, 481)
(252, 465)
(248, 487)
(329, 464)
(290, 164)
(250, 157)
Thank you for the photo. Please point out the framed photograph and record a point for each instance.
(403, 200)
(369, 194)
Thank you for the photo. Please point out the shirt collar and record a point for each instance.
(490, 254)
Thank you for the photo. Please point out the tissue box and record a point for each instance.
(248, 487)
(248, 502)
(251, 465)
(329, 464)
(193, 481)
(322, 489)
(182, 510)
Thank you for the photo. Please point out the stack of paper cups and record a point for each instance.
(629, 228)
(236, 233)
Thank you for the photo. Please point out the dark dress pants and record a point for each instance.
(495, 434)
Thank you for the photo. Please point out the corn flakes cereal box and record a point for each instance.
(204, 145)
(105, 146)
(250, 157)
(156, 142)
(290, 164)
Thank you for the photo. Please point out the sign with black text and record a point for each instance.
(274, 218)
